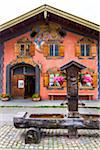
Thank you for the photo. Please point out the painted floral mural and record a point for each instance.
(46, 32)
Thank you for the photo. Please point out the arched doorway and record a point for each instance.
(23, 80)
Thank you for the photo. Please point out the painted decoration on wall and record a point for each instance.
(47, 32)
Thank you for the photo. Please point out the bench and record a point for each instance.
(62, 96)
(53, 95)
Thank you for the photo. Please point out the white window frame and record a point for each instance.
(85, 49)
(54, 49)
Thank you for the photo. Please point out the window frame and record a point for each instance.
(22, 44)
(53, 46)
(55, 86)
(54, 43)
(24, 70)
(85, 87)
(25, 49)
(92, 48)
(85, 49)
(25, 43)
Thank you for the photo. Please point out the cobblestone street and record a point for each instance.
(13, 139)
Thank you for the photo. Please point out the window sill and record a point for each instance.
(86, 57)
(55, 57)
(86, 88)
(24, 56)
(55, 87)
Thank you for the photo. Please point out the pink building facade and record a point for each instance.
(32, 61)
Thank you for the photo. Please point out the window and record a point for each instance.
(24, 47)
(54, 50)
(24, 70)
(88, 79)
(56, 80)
(85, 50)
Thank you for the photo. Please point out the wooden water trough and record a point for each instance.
(36, 122)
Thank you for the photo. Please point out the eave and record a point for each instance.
(52, 10)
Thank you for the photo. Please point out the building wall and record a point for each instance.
(1, 66)
(99, 69)
(69, 50)
(99, 82)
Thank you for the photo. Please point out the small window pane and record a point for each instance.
(22, 50)
(29, 70)
(18, 70)
(51, 50)
(87, 50)
(56, 50)
(82, 50)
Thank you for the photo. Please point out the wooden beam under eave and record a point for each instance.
(74, 27)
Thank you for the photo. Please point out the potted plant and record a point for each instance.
(35, 97)
(5, 97)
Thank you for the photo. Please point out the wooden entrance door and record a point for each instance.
(29, 85)
(22, 81)
(17, 86)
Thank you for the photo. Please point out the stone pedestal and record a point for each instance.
(73, 114)
(72, 132)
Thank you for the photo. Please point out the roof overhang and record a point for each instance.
(47, 8)
(72, 63)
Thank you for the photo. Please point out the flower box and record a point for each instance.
(36, 97)
(5, 99)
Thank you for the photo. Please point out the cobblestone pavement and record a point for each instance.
(52, 139)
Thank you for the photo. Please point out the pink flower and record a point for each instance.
(59, 78)
(87, 78)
